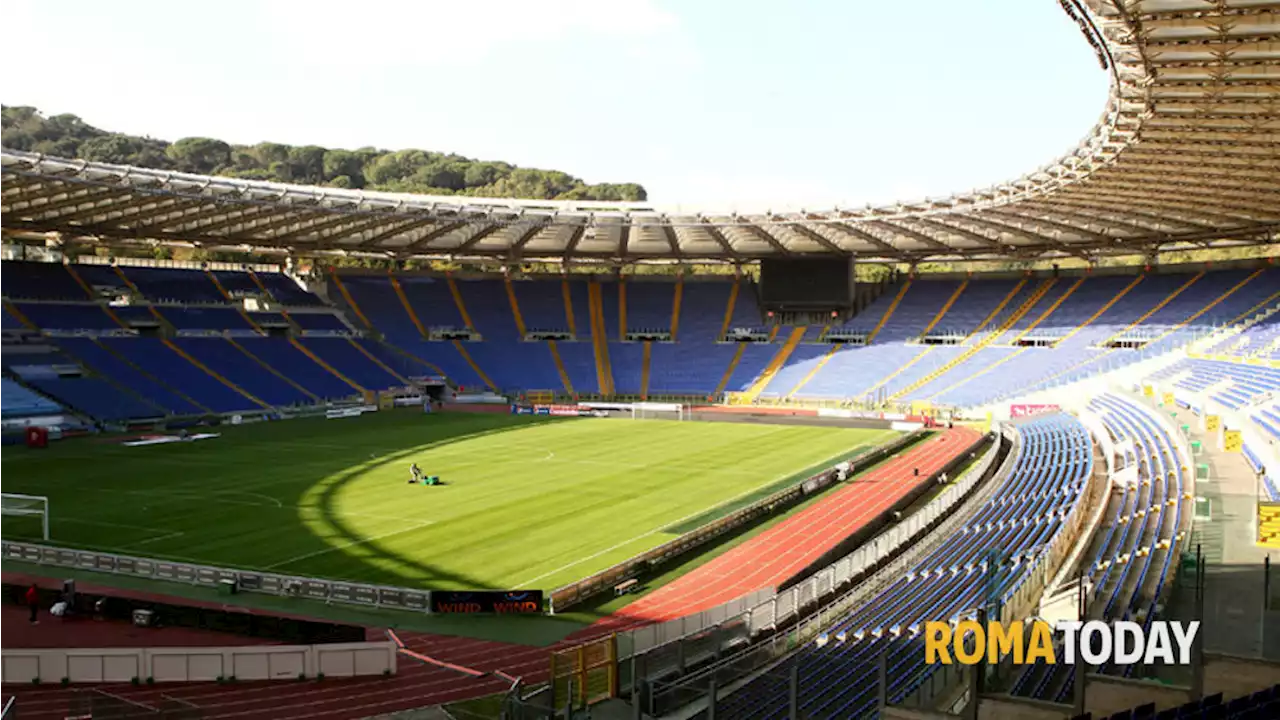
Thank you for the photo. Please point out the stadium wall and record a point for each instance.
(205, 664)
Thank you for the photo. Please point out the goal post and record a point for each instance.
(27, 506)
(659, 411)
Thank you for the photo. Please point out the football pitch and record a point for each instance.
(527, 502)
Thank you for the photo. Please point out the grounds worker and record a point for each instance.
(32, 598)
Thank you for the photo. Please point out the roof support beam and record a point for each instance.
(724, 243)
(917, 236)
(818, 238)
(860, 234)
(670, 234)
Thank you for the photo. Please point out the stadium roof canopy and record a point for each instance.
(1187, 154)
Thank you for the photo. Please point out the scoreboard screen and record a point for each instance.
(800, 283)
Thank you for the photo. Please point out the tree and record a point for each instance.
(409, 171)
(199, 155)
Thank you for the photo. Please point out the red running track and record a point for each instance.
(764, 561)
(785, 550)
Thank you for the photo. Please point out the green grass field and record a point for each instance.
(528, 502)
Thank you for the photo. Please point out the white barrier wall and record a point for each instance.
(249, 662)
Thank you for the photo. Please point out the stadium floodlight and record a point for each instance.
(18, 505)
(659, 411)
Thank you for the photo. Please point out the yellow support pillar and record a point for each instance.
(947, 307)
(404, 302)
(568, 307)
(728, 310)
(814, 371)
(322, 363)
(902, 292)
(16, 313)
(374, 359)
(988, 339)
(88, 291)
(564, 374)
(675, 307)
(622, 307)
(462, 350)
(342, 290)
(212, 373)
(1192, 318)
(1178, 291)
(223, 291)
(599, 339)
(900, 370)
(992, 315)
(644, 370)
(284, 378)
(733, 365)
(515, 306)
(457, 300)
(1104, 308)
(779, 359)
(1049, 311)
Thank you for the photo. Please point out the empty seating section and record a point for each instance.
(39, 281)
(10, 321)
(286, 291)
(803, 360)
(431, 301)
(63, 316)
(173, 285)
(691, 367)
(237, 283)
(853, 370)
(327, 322)
(158, 360)
(649, 306)
(17, 401)
(1231, 384)
(1132, 552)
(96, 397)
(1261, 340)
(1058, 292)
(97, 357)
(977, 302)
(919, 306)
(541, 304)
(1261, 705)
(281, 354)
(204, 318)
(838, 679)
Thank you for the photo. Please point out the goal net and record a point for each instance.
(26, 516)
(659, 411)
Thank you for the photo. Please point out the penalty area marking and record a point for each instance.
(344, 546)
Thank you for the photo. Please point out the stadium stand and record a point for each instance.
(1050, 467)
(20, 402)
(1132, 557)
(936, 340)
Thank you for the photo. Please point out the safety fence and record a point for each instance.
(329, 591)
(568, 595)
(752, 632)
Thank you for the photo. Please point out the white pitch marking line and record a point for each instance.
(353, 543)
(669, 523)
(158, 538)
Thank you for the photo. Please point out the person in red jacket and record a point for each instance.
(33, 601)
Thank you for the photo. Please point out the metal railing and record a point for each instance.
(329, 591)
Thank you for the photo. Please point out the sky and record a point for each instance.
(712, 104)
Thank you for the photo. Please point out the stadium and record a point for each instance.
(288, 450)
